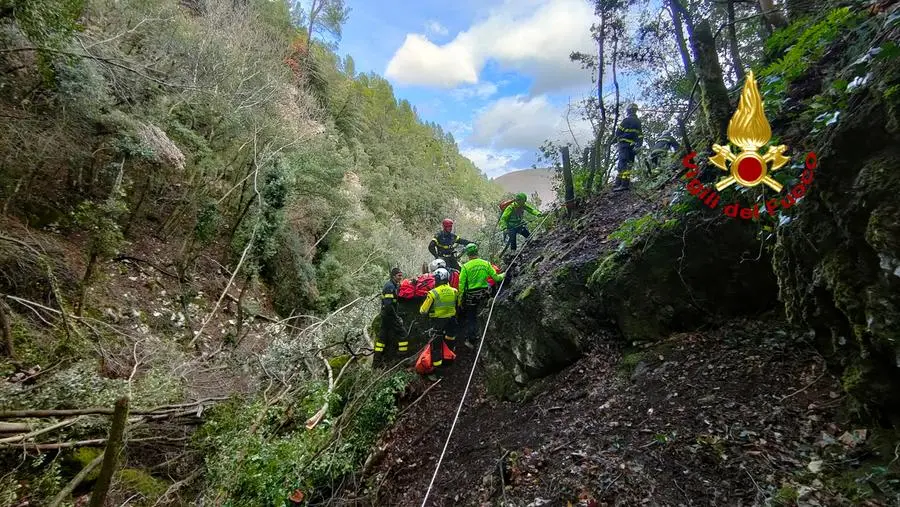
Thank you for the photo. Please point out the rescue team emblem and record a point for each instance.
(749, 130)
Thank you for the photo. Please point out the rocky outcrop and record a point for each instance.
(838, 260)
(580, 285)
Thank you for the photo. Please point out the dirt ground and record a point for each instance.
(723, 417)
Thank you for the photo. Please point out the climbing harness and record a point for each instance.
(475, 361)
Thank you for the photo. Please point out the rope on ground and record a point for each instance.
(477, 354)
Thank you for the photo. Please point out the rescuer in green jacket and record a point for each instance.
(512, 220)
(440, 305)
(474, 290)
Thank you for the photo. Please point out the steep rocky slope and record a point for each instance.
(838, 261)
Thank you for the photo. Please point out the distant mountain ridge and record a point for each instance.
(530, 181)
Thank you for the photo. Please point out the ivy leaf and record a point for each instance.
(889, 50)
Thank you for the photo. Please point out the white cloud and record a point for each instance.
(436, 28)
(492, 163)
(481, 91)
(523, 123)
(531, 36)
(447, 66)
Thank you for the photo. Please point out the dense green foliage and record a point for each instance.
(232, 125)
(233, 145)
(255, 455)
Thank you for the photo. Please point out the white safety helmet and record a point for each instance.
(441, 275)
(437, 264)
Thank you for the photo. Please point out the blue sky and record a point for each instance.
(495, 73)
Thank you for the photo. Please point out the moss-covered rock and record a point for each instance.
(139, 481)
(838, 260)
(679, 279)
(641, 291)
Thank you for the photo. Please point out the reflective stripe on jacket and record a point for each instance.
(440, 303)
(630, 131)
(443, 242)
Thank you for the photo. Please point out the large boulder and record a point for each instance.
(676, 275)
(838, 260)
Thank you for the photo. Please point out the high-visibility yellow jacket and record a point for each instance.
(475, 274)
(440, 303)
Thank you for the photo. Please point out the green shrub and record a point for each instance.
(141, 482)
(633, 228)
(276, 463)
(802, 46)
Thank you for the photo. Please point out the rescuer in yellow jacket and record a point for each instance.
(440, 305)
(474, 290)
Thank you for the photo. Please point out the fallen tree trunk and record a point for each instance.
(70, 487)
(164, 410)
(15, 427)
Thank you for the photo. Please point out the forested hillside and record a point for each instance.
(188, 189)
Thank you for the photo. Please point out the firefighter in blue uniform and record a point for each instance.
(443, 244)
(629, 136)
(392, 329)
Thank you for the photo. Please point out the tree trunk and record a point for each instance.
(615, 123)
(772, 14)
(765, 28)
(713, 94)
(240, 308)
(85, 282)
(601, 64)
(735, 47)
(592, 157)
(676, 10)
(111, 455)
(7, 348)
(567, 179)
(137, 207)
(240, 218)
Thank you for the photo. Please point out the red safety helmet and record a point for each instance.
(447, 224)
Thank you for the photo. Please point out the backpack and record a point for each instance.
(490, 280)
(448, 354)
(502, 207)
(424, 283)
(407, 289)
(424, 366)
(454, 279)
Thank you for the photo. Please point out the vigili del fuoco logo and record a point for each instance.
(749, 130)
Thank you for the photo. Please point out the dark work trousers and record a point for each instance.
(626, 158)
(391, 341)
(513, 233)
(473, 300)
(443, 331)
